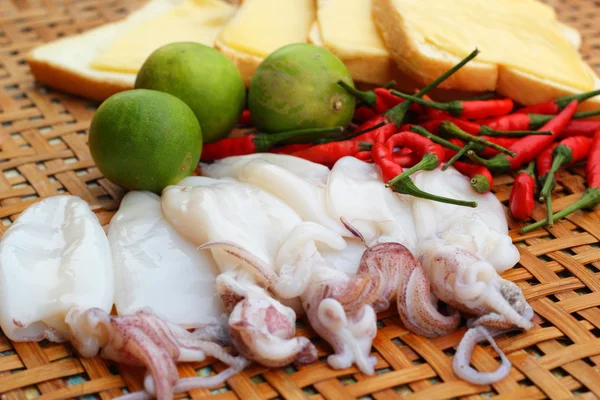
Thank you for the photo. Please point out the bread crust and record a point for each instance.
(527, 89)
(75, 83)
(245, 63)
(422, 62)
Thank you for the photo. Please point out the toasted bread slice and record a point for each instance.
(246, 63)
(373, 70)
(423, 62)
(65, 63)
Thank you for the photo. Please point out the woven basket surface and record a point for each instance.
(43, 152)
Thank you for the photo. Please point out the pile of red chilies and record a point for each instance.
(475, 136)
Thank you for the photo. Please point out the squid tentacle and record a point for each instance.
(416, 310)
(464, 351)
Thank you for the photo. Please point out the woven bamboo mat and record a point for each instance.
(43, 152)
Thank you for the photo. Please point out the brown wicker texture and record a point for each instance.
(43, 152)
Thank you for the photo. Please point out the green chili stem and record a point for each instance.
(459, 154)
(590, 198)
(499, 163)
(407, 186)
(429, 162)
(487, 131)
(396, 114)
(264, 141)
(451, 129)
(434, 138)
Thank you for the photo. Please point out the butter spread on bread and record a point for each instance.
(197, 21)
(262, 26)
(520, 34)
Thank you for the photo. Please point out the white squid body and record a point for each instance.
(54, 260)
(353, 190)
(158, 269)
(482, 230)
(255, 239)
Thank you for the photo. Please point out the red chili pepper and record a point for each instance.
(383, 131)
(255, 143)
(581, 128)
(290, 148)
(475, 129)
(363, 114)
(567, 152)
(397, 114)
(364, 155)
(590, 198)
(383, 158)
(529, 147)
(435, 113)
(544, 161)
(481, 177)
(521, 200)
(557, 105)
(431, 153)
(521, 121)
(329, 153)
(245, 118)
(379, 99)
(470, 109)
(447, 128)
(406, 160)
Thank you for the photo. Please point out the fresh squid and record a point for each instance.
(482, 230)
(244, 227)
(57, 282)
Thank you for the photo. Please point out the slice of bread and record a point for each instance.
(374, 70)
(246, 63)
(423, 62)
(64, 63)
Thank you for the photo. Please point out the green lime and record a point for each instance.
(296, 88)
(207, 81)
(145, 139)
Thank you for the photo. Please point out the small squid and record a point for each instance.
(471, 285)
(57, 282)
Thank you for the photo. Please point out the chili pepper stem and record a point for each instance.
(549, 183)
(390, 84)
(487, 131)
(452, 130)
(266, 141)
(351, 136)
(429, 162)
(562, 102)
(368, 98)
(396, 114)
(434, 138)
(480, 183)
(459, 154)
(407, 186)
(498, 163)
(549, 209)
(590, 198)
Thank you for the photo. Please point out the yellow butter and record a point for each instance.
(519, 34)
(348, 30)
(197, 21)
(262, 26)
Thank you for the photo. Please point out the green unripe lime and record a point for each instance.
(145, 139)
(296, 88)
(207, 81)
